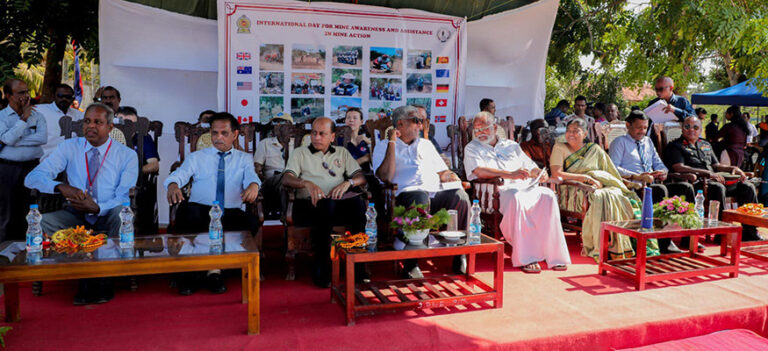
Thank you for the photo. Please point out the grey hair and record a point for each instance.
(490, 119)
(107, 109)
(403, 112)
(579, 122)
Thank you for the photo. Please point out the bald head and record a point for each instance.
(323, 133)
(664, 88)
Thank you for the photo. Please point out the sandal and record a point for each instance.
(531, 268)
(559, 267)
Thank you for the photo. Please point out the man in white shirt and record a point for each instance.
(220, 174)
(61, 106)
(530, 214)
(580, 111)
(269, 164)
(100, 174)
(421, 175)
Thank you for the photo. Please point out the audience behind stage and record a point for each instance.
(330, 172)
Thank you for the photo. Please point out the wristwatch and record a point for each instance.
(351, 183)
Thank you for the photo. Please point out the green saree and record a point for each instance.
(613, 202)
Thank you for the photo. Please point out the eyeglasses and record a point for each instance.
(691, 126)
(65, 96)
(660, 88)
(482, 130)
(415, 120)
(330, 171)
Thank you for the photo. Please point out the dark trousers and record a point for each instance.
(743, 193)
(321, 218)
(193, 218)
(271, 190)
(456, 199)
(14, 199)
(660, 191)
(70, 217)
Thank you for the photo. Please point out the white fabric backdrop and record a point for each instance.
(165, 65)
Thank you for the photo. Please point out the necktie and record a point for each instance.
(94, 163)
(641, 152)
(220, 180)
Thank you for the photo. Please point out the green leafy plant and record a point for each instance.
(677, 210)
(3, 331)
(417, 217)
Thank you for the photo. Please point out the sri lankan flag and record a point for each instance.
(442, 59)
(442, 88)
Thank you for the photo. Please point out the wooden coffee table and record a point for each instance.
(755, 249)
(150, 255)
(642, 269)
(429, 292)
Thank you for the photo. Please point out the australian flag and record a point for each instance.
(244, 70)
(78, 83)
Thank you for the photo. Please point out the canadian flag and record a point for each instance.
(441, 102)
(242, 119)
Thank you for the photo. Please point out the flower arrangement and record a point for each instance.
(417, 217)
(676, 210)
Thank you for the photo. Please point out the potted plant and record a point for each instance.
(676, 211)
(416, 222)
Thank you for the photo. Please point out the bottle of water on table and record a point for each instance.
(215, 230)
(370, 224)
(34, 231)
(699, 205)
(126, 226)
(475, 225)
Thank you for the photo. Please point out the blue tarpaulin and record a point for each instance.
(742, 94)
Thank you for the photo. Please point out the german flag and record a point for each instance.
(442, 59)
(442, 88)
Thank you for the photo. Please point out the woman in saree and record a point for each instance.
(587, 163)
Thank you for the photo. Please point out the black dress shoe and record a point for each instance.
(104, 291)
(216, 284)
(460, 264)
(187, 286)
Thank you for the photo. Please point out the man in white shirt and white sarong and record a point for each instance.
(530, 214)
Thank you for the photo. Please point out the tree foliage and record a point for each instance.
(31, 28)
(677, 38)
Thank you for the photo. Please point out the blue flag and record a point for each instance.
(442, 73)
(78, 83)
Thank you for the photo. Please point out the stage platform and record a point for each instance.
(572, 310)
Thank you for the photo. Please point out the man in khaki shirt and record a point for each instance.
(324, 175)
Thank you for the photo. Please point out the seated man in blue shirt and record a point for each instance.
(220, 173)
(637, 160)
(100, 173)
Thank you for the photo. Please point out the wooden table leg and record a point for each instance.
(603, 250)
(12, 313)
(350, 287)
(735, 251)
(640, 263)
(335, 277)
(724, 239)
(471, 263)
(253, 296)
(244, 283)
(693, 248)
(498, 277)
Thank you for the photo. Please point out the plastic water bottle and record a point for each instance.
(126, 226)
(215, 230)
(34, 232)
(475, 225)
(699, 205)
(370, 225)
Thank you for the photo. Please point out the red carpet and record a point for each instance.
(572, 310)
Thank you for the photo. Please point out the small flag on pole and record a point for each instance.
(78, 83)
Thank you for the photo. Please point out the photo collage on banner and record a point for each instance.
(309, 64)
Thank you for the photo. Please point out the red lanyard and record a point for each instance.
(87, 169)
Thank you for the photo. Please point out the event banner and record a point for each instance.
(319, 59)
